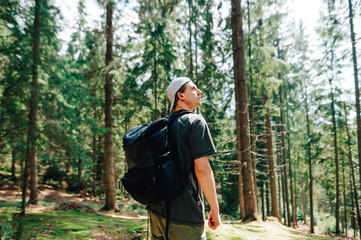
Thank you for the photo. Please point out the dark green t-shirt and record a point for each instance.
(193, 139)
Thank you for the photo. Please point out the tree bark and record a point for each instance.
(253, 123)
(244, 152)
(337, 215)
(353, 219)
(155, 79)
(13, 163)
(109, 179)
(270, 161)
(310, 178)
(190, 17)
(242, 211)
(100, 162)
(284, 156)
(352, 172)
(31, 152)
(357, 91)
(293, 189)
(94, 143)
(279, 178)
(268, 207)
(344, 196)
(262, 201)
(294, 215)
(303, 205)
(280, 192)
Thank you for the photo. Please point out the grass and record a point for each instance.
(43, 222)
(72, 224)
(76, 224)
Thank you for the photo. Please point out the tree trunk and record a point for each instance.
(253, 123)
(352, 172)
(294, 215)
(295, 181)
(336, 161)
(353, 219)
(268, 207)
(270, 161)
(100, 163)
(244, 152)
(190, 17)
(31, 152)
(13, 163)
(287, 210)
(293, 189)
(357, 92)
(279, 183)
(303, 205)
(344, 196)
(94, 144)
(242, 211)
(109, 180)
(280, 195)
(155, 79)
(312, 230)
(262, 201)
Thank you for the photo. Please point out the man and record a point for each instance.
(194, 145)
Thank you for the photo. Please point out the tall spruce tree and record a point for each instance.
(109, 177)
(243, 149)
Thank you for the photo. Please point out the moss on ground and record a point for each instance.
(43, 222)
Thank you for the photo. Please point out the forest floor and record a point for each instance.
(63, 215)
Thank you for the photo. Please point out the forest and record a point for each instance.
(281, 98)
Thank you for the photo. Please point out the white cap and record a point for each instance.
(173, 88)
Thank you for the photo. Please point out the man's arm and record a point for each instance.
(205, 178)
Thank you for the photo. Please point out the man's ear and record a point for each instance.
(180, 95)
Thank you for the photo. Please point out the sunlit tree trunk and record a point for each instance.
(284, 156)
(190, 17)
(353, 219)
(270, 161)
(294, 215)
(352, 172)
(292, 188)
(344, 197)
(94, 142)
(253, 123)
(310, 178)
(31, 152)
(303, 205)
(280, 191)
(109, 178)
(336, 161)
(243, 139)
(357, 91)
(262, 201)
(268, 207)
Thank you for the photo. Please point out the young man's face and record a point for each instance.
(192, 96)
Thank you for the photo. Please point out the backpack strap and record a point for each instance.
(172, 143)
(172, 117)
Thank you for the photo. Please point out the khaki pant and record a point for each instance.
(175, 231)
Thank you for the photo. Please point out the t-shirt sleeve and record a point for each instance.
(200, 140)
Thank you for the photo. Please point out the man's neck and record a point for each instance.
(180, 107)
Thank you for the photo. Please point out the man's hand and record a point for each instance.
(214, 220)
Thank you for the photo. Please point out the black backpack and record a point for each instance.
(154, 172)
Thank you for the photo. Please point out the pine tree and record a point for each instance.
(109, 178)
(243, 149)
